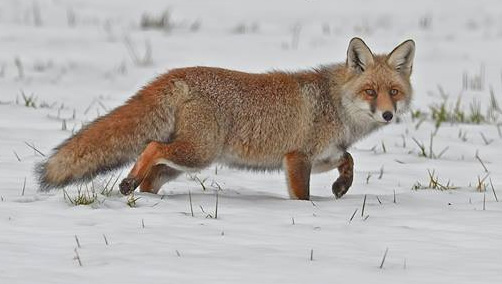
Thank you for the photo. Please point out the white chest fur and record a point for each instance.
(327, 159)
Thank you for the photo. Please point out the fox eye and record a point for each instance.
(370, 92)
(393, 92)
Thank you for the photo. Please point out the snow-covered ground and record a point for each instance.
(74, 60)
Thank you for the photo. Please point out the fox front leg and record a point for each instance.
(344, 180)
(298, 168)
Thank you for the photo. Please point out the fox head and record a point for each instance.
(378, 86)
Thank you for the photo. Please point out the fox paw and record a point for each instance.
(340, 187)
(128, 185)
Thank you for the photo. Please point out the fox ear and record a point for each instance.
(359, 56)
(401, 58)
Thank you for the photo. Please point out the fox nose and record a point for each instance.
(387, 115)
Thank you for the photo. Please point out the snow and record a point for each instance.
(79, 72)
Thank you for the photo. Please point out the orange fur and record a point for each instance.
(297, 166)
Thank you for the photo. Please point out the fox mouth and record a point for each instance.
(373, 118)
(379, 120)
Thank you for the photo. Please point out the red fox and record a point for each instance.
(187, 119)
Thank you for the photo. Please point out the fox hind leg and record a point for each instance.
(198, 141)
(179, 155)
(344, 181)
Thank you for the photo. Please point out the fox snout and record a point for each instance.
(383, 116)
(383, 104)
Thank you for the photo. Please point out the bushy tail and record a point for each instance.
(109, 142)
